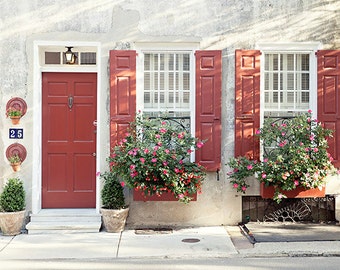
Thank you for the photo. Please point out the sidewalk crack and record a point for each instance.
(120, 238)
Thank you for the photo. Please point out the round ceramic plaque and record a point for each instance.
(16, 149)
(18, 104)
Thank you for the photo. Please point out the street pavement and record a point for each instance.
(198, 242)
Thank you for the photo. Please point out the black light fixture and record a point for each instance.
(70, 56)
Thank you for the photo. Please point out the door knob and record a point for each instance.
(94, 154)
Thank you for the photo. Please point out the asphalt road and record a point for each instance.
(277, 263)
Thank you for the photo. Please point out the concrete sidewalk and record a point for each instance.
(203, 241)
(209, 242)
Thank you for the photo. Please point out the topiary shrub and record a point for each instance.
(112, 192)
(12, 198)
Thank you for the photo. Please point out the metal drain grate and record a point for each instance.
(191, 240)
(153, 231)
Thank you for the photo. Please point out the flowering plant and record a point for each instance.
(295, 155)
(12, 112)
(14, 159)
(154, 158)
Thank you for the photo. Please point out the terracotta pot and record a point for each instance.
(15, 120)
(114, 219)
(140, 196)
(11, 222)
(16, 166)
(299, 192)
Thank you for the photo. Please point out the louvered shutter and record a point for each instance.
(329, 97)
(208, 107)
(247, 103)
(122, 93)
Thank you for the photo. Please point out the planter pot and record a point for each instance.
(16, 166)
(299, 192)
(11, 222)
(15, 120)
(140, 196)
(114, 219)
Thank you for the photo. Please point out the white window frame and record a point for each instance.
(145, 47)
(301, 47)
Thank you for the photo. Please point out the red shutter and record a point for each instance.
(329, 98)
(122, 93)
(247, 103)
(208, 107)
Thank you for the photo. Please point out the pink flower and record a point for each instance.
(235, 185)
(167, 151)
(280, 196)
(244, 188)
(181, 196)
(98, 174)
(249, 167)
(162, 130)
(132, 167)
(315, 149)
(296, 182)
(177, 170)
(265, 160)
(157, 136)
(122, 184)
(258, 131)
(311, 137)
(264, 175)
(165, 163)
(180, 135)
(142, 160)
(309, 111)
(146, 150)
(199, 144)
(154, 160)
(165, 172)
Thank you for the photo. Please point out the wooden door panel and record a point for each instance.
(57, 175)
(69, 140)
(83, 131)
(83, 171)
(58, 117)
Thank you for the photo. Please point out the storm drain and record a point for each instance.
(190, 240)
(153, 231)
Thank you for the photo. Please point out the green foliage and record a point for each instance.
(154, 158)
(112, 192)
(296, 156)
(13, 112)
(12, 198)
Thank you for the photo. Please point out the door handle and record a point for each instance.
(70, 102)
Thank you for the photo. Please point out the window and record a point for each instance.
(280, 82)
(286, 83)
(167, 86)
(82, 58)
(181, 82)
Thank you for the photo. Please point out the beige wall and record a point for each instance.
(214, 24)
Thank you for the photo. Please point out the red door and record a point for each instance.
(69, 140)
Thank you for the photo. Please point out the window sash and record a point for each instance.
(286, 82)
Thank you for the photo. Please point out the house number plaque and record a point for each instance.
(16, 133)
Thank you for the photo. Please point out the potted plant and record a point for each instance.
(12, 207)
(295, 159)
(15, 162)
(14, 114)
(114, 210)
(154, 158)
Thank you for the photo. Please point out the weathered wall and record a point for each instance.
(217, 24)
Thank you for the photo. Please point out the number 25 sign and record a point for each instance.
(16, 133)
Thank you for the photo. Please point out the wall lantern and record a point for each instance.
(70, 56)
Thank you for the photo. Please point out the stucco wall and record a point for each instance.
(217, 24)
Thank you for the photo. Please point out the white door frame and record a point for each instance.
(38, 69)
